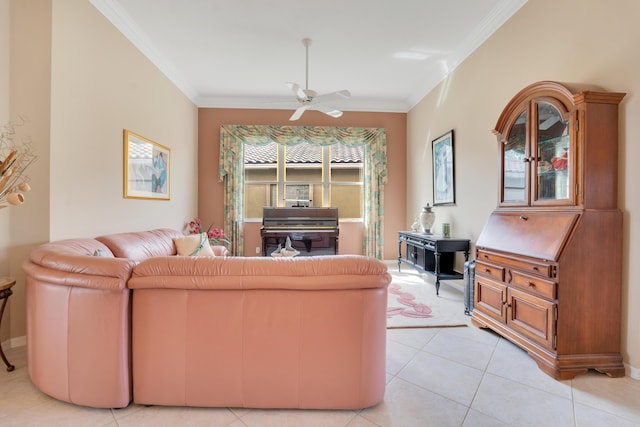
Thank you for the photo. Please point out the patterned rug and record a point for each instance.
(413, 302)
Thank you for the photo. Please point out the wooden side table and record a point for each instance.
(6, 283)
(431, 253)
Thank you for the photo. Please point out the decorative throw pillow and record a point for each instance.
(193, 245)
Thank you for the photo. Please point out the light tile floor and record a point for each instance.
(435, 377)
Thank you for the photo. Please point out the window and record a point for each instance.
(234, 138)
(303, 175)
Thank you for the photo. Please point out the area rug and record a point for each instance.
(413, 302)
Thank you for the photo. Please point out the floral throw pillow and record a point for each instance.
(193, 245)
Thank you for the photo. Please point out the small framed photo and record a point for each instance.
(444, 190)
(146, 168)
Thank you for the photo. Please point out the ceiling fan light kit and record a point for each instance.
(309, 99)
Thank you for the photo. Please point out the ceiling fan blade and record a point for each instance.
(298, 113)
(333, 112)
(297, 90)
(341, 94)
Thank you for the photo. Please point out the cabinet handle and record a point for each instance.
(487, 270)
(524, 218)
(535, 268)
(531, 284)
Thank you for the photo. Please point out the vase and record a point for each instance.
(427, 218)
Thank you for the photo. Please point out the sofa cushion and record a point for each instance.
(141, 245)
(193, 245)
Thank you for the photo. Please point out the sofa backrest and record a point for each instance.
(243, 273)
(141, 245)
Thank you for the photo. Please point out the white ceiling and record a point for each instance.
(241, 53)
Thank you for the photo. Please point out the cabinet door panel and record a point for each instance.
(553, 162)
(410, 253)
(490, 298)
(531, 316)
(515, 163)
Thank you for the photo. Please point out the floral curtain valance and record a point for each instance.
(297, 134)
(231, 163)
(232, 137)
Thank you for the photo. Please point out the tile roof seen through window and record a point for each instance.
(301, 153)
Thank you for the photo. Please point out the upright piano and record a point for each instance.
(312, 231)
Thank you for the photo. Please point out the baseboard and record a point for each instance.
(14, 342)
(632, 372)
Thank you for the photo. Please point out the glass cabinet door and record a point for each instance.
(552, 157)
(514, 163)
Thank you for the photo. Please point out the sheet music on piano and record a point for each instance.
(312, 231)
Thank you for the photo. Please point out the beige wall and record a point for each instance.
(101, 85)
(4, 60)
(4, 118)
(586, 41)
(79, 83)
(211, 191)
(30, 88)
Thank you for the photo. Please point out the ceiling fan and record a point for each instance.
(310, 100)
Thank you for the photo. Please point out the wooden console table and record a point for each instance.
(431, 253)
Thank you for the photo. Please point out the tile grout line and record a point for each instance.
(475, 394)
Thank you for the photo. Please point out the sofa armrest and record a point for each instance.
(72, 263)
(80, 279)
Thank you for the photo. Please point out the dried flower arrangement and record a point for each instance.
(15, 158)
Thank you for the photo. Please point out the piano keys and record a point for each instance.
(312, 231)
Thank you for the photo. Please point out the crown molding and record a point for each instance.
(122, 21)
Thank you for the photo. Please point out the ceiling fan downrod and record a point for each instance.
(306, 42)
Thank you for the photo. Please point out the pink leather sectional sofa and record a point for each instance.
(140, 323)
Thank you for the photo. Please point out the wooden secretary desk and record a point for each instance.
(549, 259)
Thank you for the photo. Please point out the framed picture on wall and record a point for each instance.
(444, 190)
(146, 168)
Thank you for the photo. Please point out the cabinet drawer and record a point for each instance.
(418, 242)
(535, 285)
(537, 267)
(494, 271)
